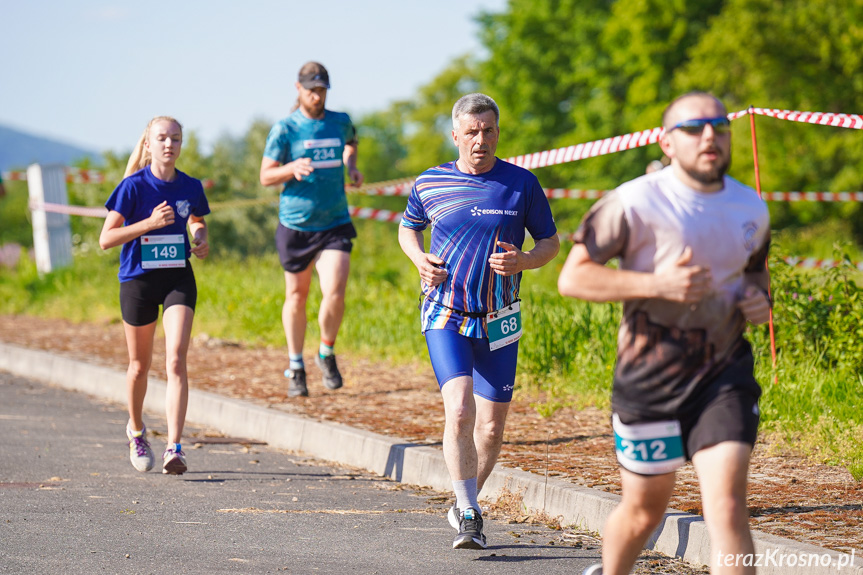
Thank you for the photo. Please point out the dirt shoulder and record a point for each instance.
(789, 496)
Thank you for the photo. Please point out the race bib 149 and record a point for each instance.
(167, 251)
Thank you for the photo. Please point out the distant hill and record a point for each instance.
(19, 150)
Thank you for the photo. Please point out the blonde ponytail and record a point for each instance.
(140, 157)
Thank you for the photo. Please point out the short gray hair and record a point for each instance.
(474, 104)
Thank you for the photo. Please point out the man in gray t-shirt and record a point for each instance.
(692, 245)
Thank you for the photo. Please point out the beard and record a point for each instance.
(712, 175)
(315, 111)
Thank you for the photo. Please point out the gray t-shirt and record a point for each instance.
(669, 351)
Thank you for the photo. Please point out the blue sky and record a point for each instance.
(92, 73)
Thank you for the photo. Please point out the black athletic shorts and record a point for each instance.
(728, 410)
(141, 297)
(298, 249)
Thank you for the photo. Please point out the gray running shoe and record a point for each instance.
(173, 462)
(297, 384)
(140, 453)
(470, 535)
(332, 377)
(593, 570)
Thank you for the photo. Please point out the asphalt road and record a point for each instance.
(70, 502)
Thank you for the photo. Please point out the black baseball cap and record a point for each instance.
(314, 75)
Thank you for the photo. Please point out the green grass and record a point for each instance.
(567, 354)
(818, 239)
(813, 411)
(87, 292)
(15, 216)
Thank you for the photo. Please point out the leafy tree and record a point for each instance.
(571, 71)
(411, 136)
(382, 148)
(428, 126)
(575, 71)
(245, 212)
(795, 55)
(541, 71)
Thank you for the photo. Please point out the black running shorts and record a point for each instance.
(727, 412)
(141, 297)
(298, 249)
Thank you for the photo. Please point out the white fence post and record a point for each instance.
(52, 235)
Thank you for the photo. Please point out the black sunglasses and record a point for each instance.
(721, 125)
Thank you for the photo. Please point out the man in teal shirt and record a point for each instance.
(307, 152)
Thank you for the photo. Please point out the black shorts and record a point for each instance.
(141, 297)
(298, 249)
(728, 411)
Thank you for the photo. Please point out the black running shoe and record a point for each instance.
(470, 534)
(297, 383)
(331, 375)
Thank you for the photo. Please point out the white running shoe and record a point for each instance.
(140, 453)
(453, 516)
(173, 462)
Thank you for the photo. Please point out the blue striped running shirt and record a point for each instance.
(469, 214)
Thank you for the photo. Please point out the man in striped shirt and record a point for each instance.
(478, 207)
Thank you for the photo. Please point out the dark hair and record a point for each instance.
(687, 95)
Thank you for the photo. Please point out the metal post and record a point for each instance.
(52, 234)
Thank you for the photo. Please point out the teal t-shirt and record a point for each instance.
(317, 202)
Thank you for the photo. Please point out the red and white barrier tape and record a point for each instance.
(557, 193)
(101, 212)
(565, 154)
(404, 188)
(854, 121)
(651, 136)
(73, 176)
(642, 138)
(391, 216)
(14, 176)
(816, 263)
(373, 214)
(78, 176)
(400, 187)
(587, 150)
(813, 196)
(560, 193)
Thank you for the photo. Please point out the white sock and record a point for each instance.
(466, 494)
(296, 362)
